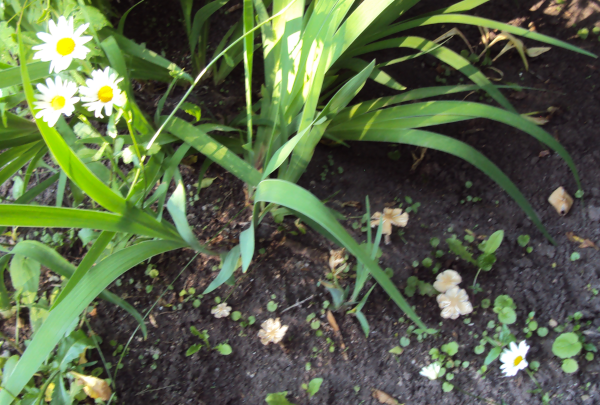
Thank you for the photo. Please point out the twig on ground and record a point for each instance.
(297, 304)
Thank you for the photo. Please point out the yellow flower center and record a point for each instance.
(65, 46)
(518, 360)
(58, 102)
(105, 94)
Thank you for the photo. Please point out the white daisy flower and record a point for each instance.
(102, 92)
(272, 331)
(56, 98)
(431, 371)
(221, 311)
(62, 44)
(513, 359)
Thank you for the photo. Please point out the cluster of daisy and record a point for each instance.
(61, 45)
(272, 331)
(453, 300)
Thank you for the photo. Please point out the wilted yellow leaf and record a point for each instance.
(49, 392)
(533, 52)
(384, 398)
(94, 387)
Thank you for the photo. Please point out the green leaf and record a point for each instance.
(566, 345)
(450, 348)
(193, 110)
(494, 242)
(486, 261)
(193, 349)
(224, 349)
(71, 348)
(314, 386)
(507, 316)
(492, 355)
(569, 366)
(458, 249)
(523, 240)
(25, 274)
(396, 350)
(60, 395)
(230, 263)
(278, 398)
(206, 145)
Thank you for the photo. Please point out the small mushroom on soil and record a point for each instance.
(454, 302)
(446, 280)
(561, 201)
(390, 217)
(272, 331)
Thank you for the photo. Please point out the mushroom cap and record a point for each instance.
(446, 280)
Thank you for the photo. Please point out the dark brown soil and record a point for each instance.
(545, 281)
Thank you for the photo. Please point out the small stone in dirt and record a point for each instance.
(552, 323)
(594, 213)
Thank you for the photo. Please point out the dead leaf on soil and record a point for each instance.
(153, 320)
(544, 153)
(384, 398)
(332, 321)
(337, 333)
(583, 243)
(93, 387)
(536, 120)
(353, 204)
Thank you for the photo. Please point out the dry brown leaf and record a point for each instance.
(544, 153)
(338, 334)
(153, 320)
(384, 398)
(354, 204)
(93, 387)
(536, 120)
(583, 243)
(332, 321)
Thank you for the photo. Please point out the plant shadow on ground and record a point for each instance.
(157, 370)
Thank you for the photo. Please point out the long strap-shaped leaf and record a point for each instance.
(218, 153)
(54, 217)
(454, 147)
(12, 76)
(290, 195)
(480, 22)
(60, 318)
(440, 112)
(445, 55)
(58, 264)
(79, 173)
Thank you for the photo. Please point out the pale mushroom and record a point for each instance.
(272, 331)
(391, 216)
(454, 302)
(561, 201)
(446, 280)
